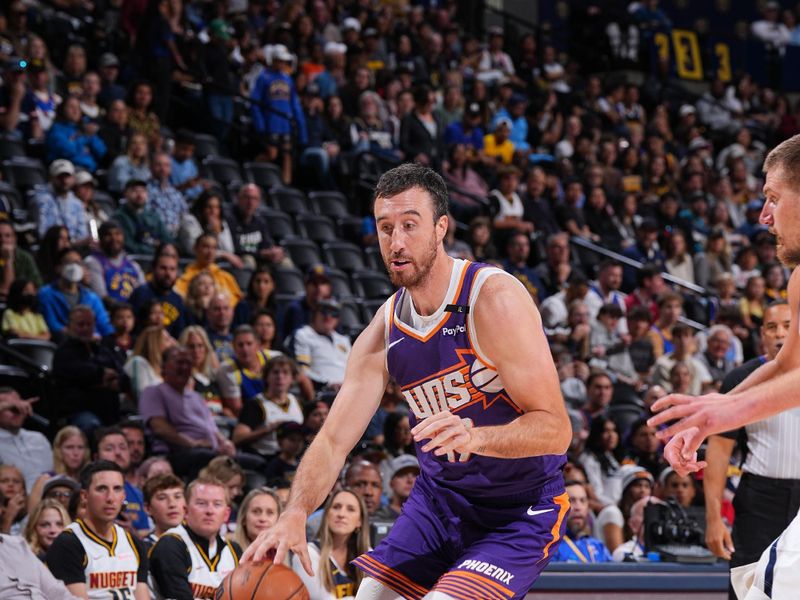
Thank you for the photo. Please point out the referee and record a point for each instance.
(768, 496)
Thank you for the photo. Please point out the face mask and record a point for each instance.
(73, 272)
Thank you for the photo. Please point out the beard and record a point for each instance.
(419, 272)
(789, 257)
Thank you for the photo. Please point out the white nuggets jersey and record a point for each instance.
(206, 574)
(111, 569)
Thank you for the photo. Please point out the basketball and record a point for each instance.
(264, 581)
(484, 378)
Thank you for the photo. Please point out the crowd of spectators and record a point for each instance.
(162, 287)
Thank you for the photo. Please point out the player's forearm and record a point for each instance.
(536, 433)
(763, 373)
(316, 474)
(718, 455)
(764, 400)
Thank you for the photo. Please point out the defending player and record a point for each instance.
(96, 558)
(772, 388)
(465, 343)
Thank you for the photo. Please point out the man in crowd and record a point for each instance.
(58, 298)
(165, 502)
(599, 391)
(57, 205)
(28, 450)
(682, 349)
(142, 227)
(319, 349)
(133, 430)
(164, 276)
(181, 561)
(15, 263)
(93, 556)
(111, 273)
(112, 446)
(87, 375)
(220, 319)
(519, 250)
(163, 199)
(555, 271)
(403, 472)
(714, 357)
(578, 545)
(298, 313)
(21, 569)
(205, 252)
(249, 228)
(606, 290)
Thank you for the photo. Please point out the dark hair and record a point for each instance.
(46, 256)
(390, 430)
(243, 330)
(131, 424)
(14, 298)
(594, 443)
(607, 264)
(142, 316)
(411, 175)
(648, 271)
(597, 375)
(98, 466)
(63, 252)
(199, 206)
(158, 483)
(251, 284)
(103, 432)
(118, 307)
(640, 313)
(280, 361)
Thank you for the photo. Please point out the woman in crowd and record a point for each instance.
(343, 535)
(601, 460)
(459, 173)
(46, 522)
(204, 367)
(150, 314)
(21, 318)
(644, 448)
(265, 327)
(141, 119)
(259, 296)
(610, 526)
(775, 278)
(480, 239)
(144, 367)
(682, 488)
(753, 302)
(198, 296)
(70, 454)
(679, 262)
(715, 261)
(259, 510)
(55, 239)
(134, 164)
(15, 511)
(205, 216)
(397, 435)
(69, 138)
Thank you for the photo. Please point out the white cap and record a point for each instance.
(281, 52)
(687, 109)
(82, 177)
(335, 48)
(351, 23)
(61, 167)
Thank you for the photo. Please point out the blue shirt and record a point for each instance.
(185, 171)
(519, 129)
(455, 134)
(135, 499)
(67, 211)
(55, 308)
(583, 550)
(168, 203)
(276, 91)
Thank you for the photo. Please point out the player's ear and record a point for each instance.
(441, 228)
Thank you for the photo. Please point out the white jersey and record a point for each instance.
(111, 569)
(206, 573)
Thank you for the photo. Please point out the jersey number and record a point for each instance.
(121, 594)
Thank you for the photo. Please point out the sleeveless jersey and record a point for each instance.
(443, 369)
(250, 384)
(111, 568)
(343, 586)
(206, 574)
(120, 280)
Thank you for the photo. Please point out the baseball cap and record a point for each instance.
(517, 98)
(370, 32)
(281, 52)
(287, 428)
(474, 109)
(107, 59)
(328, 305)
(60, 481)
(402, 463)
(495, 30)
(699, 143)
(135, 183)
(630, 474)
(503, 121)
(318, 274)
(82, 177)
(219, 28)
(335, 48)
(351, 23)
(61, 166)
(687, 109)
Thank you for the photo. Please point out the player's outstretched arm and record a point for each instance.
(511, 337)
(364, 383)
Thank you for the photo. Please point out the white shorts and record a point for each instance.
(776, 575)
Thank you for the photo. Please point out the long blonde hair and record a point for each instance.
(242, 536)
(61, 438)
(357, 544)
(33, 519)
(192, 301)
(211, 362)
(148, 346)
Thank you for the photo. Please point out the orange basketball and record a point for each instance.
(262, 581)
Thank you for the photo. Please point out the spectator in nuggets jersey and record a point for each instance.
(180, 559)
(95, 557)
(250, 230)
(111, 273)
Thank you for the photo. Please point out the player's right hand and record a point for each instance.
(718, 539)
(288, 534)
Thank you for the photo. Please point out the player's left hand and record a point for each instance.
(681, 452)
(448, 434)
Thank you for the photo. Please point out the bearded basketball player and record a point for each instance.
(466, 345)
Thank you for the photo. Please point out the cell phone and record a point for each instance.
(123, 510)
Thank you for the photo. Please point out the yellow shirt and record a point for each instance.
(504, 151)
(225, 281)
(28, 322)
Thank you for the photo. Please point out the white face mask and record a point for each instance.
(73, 272)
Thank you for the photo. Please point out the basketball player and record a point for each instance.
(770, 389)
(191, 560)
(96, 558)
(465, 343)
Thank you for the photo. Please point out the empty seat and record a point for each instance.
(289, 281)
(223, 170)
(39, 352)
(350, 321)
(105, 202)
(205, 145)
(304, 253)
(340, 283)
(329, 204)
(11, 202)
(372, 285)
(289, 200)
(264, 175)
(316, 228)
(344, 256)
(374, 258)
(11, 147)
(280, 225)
(242, 277)
(369, 308)
(24, 173)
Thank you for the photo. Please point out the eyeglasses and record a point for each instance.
(329, 312)
(59, 495)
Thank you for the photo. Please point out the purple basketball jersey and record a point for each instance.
(442, 369)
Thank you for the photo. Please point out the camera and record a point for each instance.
(670, 523)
